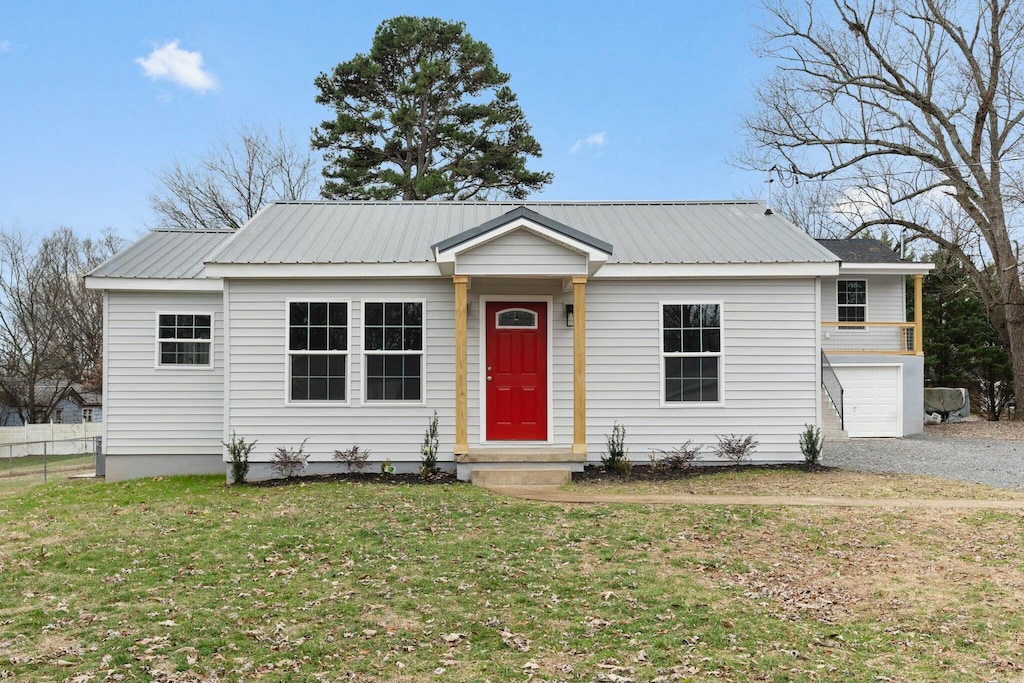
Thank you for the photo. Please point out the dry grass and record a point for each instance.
(183, 579)
(833, 483)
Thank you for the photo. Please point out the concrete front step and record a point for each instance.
(521, 455)
(521, 476)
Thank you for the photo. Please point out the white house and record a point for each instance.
(529, 328)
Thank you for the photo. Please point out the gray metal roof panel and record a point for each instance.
(403, 232)
(860, 250)
(172, 254)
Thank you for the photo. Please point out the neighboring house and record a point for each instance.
(529, 328)
(74, 406)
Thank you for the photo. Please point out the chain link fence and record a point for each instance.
(30, 462)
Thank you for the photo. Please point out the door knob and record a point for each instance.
(488, 378)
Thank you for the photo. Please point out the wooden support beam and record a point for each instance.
(579, 364)
(918, 315)
(461, 352)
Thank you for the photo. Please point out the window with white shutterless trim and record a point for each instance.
(691, 346)
(318, 343)
(184, 339)
(393, 350)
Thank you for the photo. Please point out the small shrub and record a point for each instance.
(736, 449)
(386, 467)
(811, 445)
(239, 450)
(353, 458)
(615, 459)
(428, 452)
(656, 463)
(290, 462)
(681, 458)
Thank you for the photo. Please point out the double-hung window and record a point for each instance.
(691, 347)
(393, 348)
(318, 351)
(852, 302)
(184, 339)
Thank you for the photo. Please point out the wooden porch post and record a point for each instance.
(461, 346)
(579, 364)
(918, 316)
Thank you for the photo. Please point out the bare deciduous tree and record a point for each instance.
(51, 327)
(233, 181)
(917, 105)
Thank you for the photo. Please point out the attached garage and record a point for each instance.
(872, 399)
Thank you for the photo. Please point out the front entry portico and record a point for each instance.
(520, 252)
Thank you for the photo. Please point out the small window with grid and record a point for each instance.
(184, 339)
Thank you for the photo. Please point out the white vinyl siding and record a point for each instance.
(258, 409)
(148, 410)
(521, 252)
(769, 365)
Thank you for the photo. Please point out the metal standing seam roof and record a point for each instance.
(171, 254)
(403, 232)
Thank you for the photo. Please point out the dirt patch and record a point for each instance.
(596, 474)
(977, 428)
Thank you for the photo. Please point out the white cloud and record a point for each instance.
(593, 140)
(5, 46)
(171, 63)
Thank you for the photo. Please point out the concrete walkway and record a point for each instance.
(555, 494)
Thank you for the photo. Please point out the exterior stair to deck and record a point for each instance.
(493, 467)
(831, 423)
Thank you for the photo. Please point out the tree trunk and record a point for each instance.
(1015, 333)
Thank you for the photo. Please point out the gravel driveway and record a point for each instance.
(993, 461)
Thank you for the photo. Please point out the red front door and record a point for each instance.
(517, 371)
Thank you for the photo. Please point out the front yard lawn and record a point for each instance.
(184, 579)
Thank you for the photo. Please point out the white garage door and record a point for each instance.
(872, 399)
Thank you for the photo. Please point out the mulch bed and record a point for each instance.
(595, 474)
(363, 478)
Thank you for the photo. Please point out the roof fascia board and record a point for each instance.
(716, 270)
(154, 284)
(885, 268)
(322, 270)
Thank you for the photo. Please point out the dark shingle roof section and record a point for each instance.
(403, 232)
(171, 254)
(523, 212)
(861, 251)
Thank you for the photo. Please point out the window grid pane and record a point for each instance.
(318, 330)
(393, 342)
(691, 346)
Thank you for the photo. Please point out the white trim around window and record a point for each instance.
(367, 354)
(179, 325)
(863, 307)
(718, 356)
(289, 352)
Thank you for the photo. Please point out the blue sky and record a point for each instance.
(629, 101)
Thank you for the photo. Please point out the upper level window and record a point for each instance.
(184, 339)
(87, 415)
(852, 301)
(692, 352)
(393, 345)
(516, 317)
(317, 351)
